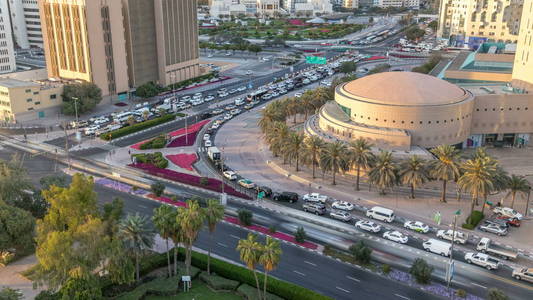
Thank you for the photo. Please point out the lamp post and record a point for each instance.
(76, 99)
(527, 202)
(449, 270)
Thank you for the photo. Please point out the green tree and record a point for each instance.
(384, 173)
(334, 158)
(80, 97)
(112, 213)
(148, 90)
(14, 181)
(269, 259)
(158, 188)
(496, 294)
(348, 67)
(245, 216)
(164, 218)
(214, 213)
(421, 271)
(250, 251)
(8, 293)
(16, 229)
(293, 148)
(254, 48)
(445, 167)
(81, 289)
(137, 236)
(276, 138)
(433, 25)
(361, 252)
(311, 152)
(477, 178)
(360, 156)
(517, 185)
(191, 219)
(414, 172)
(57, 180)
(300, 236)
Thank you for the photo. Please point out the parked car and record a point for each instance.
(416, 226)
(497, 221)
(229, 107)
(343, 205)
(286, 196)
(483, 260)
(509, 221)
(249, 106)
(523, 274)
(217, 111)
(316, 208)
(209, 98)
(396, 236)
(230, 175)
(460, 237)
(508, 212)
(315, 197)
(266, 190)
(340, 215)
(246, 183)
(493, 228)
(368, 226)
(298, 95)
(241, 88)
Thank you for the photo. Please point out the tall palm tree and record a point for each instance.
(414, 172)
(477, 178)
(334, 158)
(273, 112)
(177, 237)
(269, 259)
(276, 137)
(164, 218)
(214, 212)
(311, 151)
(292, 106)
(517, 185)
(191, 219)
(250, 251)
(137, 236)
(446, 167)
(293, 148)
(384, 174)
(360, 156)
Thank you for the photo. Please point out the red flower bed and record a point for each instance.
(138, 145)
(191, 128)
(184, 140)
(212, 184)
(278, 235)
(167, 200)
(183, 160)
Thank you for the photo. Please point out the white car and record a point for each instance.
(91, 130)
(207, 136)
(230, 175)
(209, 98)
(508, 212)
(247, 183)
(228, 116)
(460, 237)
(215, 126)
(101, 121)
(208, 143)
(298, 95)
(249, 72)
(241, 89)
(266, 59)
(368, 226)
(396, 236)
(416, 226)
(340, 215)
(343, 205)
(315, 197)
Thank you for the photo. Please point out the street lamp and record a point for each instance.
(449, 269)
(78, 135)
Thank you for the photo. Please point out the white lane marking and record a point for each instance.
(354, 279)
(299, 273)
(309, 263)
(235, 237)
(142, 206)
(223, 245)
(481, 286)
(346, 291)
(403, 297)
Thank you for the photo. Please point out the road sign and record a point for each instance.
(316, 60)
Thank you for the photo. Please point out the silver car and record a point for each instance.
(340, 215)
(493, 228)
(368, 226)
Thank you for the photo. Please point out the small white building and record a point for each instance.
(313, 7)
(268, 7)
(226, 8)
(397, 3)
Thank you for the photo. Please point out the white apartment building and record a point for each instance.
(397, 3)
(290, 5)
(226, 8)
(350, 3)
(314, 7)
(268, 7)
(7, 55)
(26, 23)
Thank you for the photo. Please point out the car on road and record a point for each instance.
(523, 274)
(265, 59)
(249, 106)
(249, 72)
(91, 130)
(416, 226)
(217, 111)
(241, 88)
(209, 98)
(246, 183)
(229, 107)
(315, 197)
(493, 228)
(208, 143)
(210, 55)
(460, 237)
(482, 259)
(228, 116)
(230, 175)
(396, 236)
(215, 126)
(368, 226)
(207, 136)
(235, 111)
(315, 208)
(340, 215)
(343, 205)
(508, 212)
(228, 54)
(298, 95)
(232, 91)
(223, 94)
(286, 196)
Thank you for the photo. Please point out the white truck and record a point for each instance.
(213, 153)
(315, 197)
(485, 246)
(438, 247)
(460, 237)
(482, 259)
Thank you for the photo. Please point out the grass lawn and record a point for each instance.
(199, 291)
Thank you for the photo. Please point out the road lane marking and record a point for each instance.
(309, 263)
(235, 237)
(142, 206)
(299, 273)
(223, 245)
(346, 291)
(403, 297)
(354, 279)
(481, 286)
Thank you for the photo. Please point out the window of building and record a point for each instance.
(38, 102)
(30, 108)
(28, 91)
(29, 100)
(53, 96)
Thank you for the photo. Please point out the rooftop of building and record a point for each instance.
(15, 83)
(480, 89)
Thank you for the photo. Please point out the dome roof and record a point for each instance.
(404, 88)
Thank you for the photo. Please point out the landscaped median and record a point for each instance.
(137, 127)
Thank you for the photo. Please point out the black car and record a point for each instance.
(286, 196)
(266, 190)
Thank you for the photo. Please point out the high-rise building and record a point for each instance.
(121, 44)
(7, 55)
(491, 20)
(350, 4)
(26, 23)
(523, 64)
(289, 5)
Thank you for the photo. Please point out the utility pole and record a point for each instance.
(449, 272)
(66, 146)
(76, 99)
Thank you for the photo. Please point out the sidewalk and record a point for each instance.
(10, 277)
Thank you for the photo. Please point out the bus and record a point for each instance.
(256, 96)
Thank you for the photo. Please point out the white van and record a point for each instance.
(381, 213)
(438, 247)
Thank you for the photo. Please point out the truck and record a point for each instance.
(484, 245)
(482, 259)
(460, 237)
(213, 153)
(315, 197)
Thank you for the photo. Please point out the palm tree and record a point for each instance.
(273, 112)
(477, 178)
(277, 138)
(292, 106)
(164, 219)
(517, 185)
(311, 151)
(414, 172)
(384, 174)
(146, 114)
(269, 258)
(293, 148)
(334, 158)
(446, 167)
(137, 235)
(250, 252)
(191, 219)
(177, 237)
(214, 212)
(360, 156)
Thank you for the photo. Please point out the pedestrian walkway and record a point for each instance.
(10, 277)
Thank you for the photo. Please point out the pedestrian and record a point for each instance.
(129, 151)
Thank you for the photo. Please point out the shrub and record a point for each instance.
(496, 294)
(219, 283)
(421, 271)
(361, 252)
(386, 268)
(137, 127)
(156, 159)
(174, 198)
(250, 292)
(204, 181)
(300, 235)
(8, 293)
(155, 143)
(157, 188)
(460, 293)
(272, 229)
(47, 295)
(245, 217)
(473, 220)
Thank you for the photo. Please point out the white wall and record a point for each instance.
(7, 56)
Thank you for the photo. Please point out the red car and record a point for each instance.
(510, 221)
